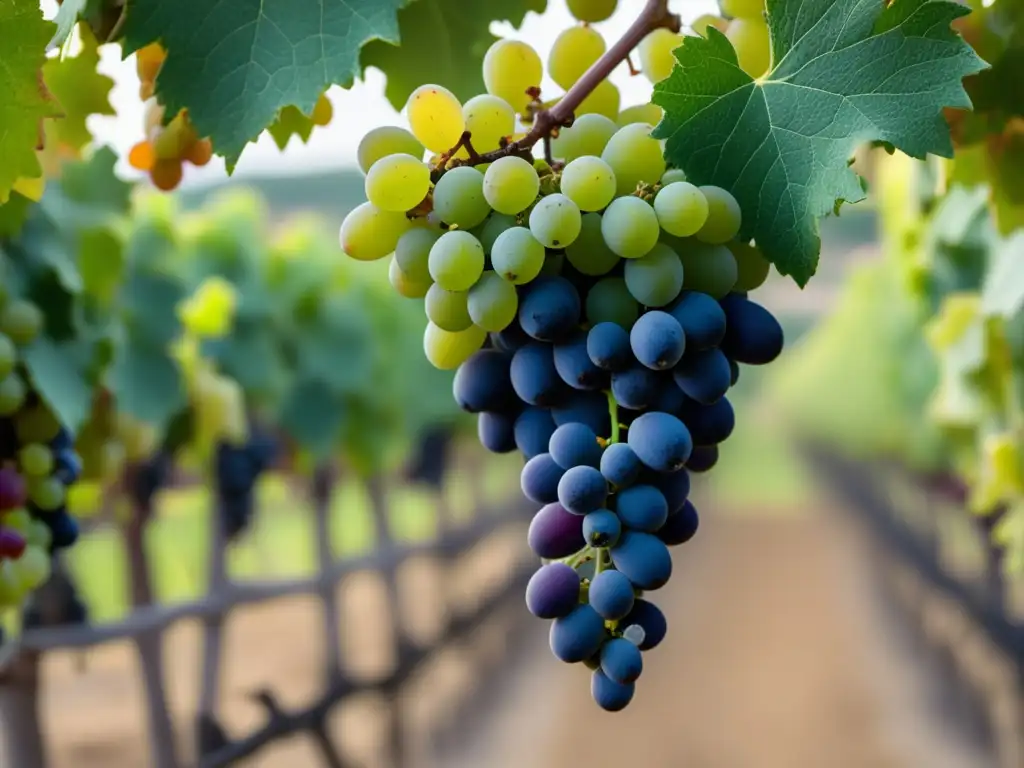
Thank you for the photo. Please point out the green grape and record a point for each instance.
(47, 493)
(656, 53)
(753, 45)
(459, 198)
(724, 217)
(743, 9)
(456, 260)
(11, 590)
(435, 117)
(682, 208)
(21, 321)
(36, 424)
(397, 183)
(751, 265)
(592, 11)
(517, 256)
(32, 569)
(609, 300)
(630, 227)
(36, 460)
(448, 350)
(384, 141)
(511, 68)
(589, 182)
(589, 253)
(635, 157)
(19, 520)
(511, 185)
(588, 135)
(710, 269)
(210, 309)
(8, 356)
(489, 119)
(404, 285)
(496, 224)
(702, 23)
(12, 394)
(657, 278)
(412, 252)
(574, 51)
(368, 233)
(673, 175)
(640, 113)
(39, 535)
(555, 221)
(605, 100)
(448, 310)
(493, 302)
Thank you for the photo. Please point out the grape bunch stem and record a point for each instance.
(654, 15)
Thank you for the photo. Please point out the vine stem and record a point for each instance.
(655, 15)
(613, 413)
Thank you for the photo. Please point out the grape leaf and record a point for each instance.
(80, 90)
(66, 18)
(235, 63)
(443, 42)
(24, 101)
(845, 72)
(290, 122)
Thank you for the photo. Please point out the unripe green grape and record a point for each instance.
(751, 39)
(630, 227)
(682, 209)
(588, 135)
(447, 350)
(574, 51)
(39, 535)
(21, 321)
(397, 183)
(19, 520)
(724, 216)
(496, 224)
(456, 260)
(710, 269)
(640, 113)
(635, 157)
(8, 355)
(489, 119)
(511, 185)
(589, 182)
(412, 252)
(368, 233)
(32, 569)
(36, 460)
(435, 117)
(11, 589)
(701, 24)
(592, 11)
(459, 198)
(752, 267)
(657, 53)
(511, 68)
(609, 300)
(47, 493)
(12, 394)
(517, 255)
(555, 221)
(386, 140)
(404, 285)
(448, 310)
(656, 279)
(605, 100)
(673, 175)
(589, 253)
(742, 9)
(36, 424)
(493, 302)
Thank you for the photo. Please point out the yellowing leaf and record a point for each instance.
(80, 90)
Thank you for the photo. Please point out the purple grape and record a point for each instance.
(496, 432)
(582, 490)
(573, 445)
(533, 430)
(602, 528)
(752, 334)
(12, 544)
(650, 619)
(644, 559)
(553, 591)
(657, 340)
(12, 490)
(620, 465)
(555, 533)
(641, 508)
(661, 441)
(540, 478)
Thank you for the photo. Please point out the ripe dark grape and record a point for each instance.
(703, 458)
(641, 508)
(574, 365)
(620, 465)
(590, 408)
(602, 528)
(702, 319)
(635, 387)
(657, 340)
(540, 478)
(582, 490)
(534, 376)
(643, 559)
(753, 335)
(483, 382)
(681, 526)
(496, 432)
(63, 528)
(12, 544)
(704, 375)
(609, 695)
(553, 591)
(662, 441)
(577, 636)
(650, 619)
(608, 346)
(709, 424)
(549, 308)
(574, 444)
(674, 486)
(555, 533)
(621, 661)
(533, 430)
(611, 595)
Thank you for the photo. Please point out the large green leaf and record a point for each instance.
(146, 383)
(845, 72)
(236, 63)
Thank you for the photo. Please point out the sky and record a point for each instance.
(356, 110)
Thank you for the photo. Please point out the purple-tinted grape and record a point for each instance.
(657, 340)
(67, 466)
(650, 619)
(553, 591)
(483, 382)
(643, 558)
(635, 387)
(609, 695)
(702, 319)
(641, 508)
(496, 432)
(578, 636)
(608, 346)
(611, 595)
(12, 489)
(620, 465)
(575, 366)
(582, 490)
(12, 544)
(703, 458)
(549, 308)
(554, 533)
(534, 377)
(602, 528)
(621, 661)
(681, 526)
(752, 334)
(709, 424)
(704, 375)
(662, 441)
(540, 478)
(573, 445)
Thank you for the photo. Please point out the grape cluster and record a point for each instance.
(238, 467)
(37, 464)
(596, 310)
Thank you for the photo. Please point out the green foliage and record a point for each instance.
(782, 145)
(81, 91)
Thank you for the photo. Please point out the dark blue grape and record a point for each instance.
(703, 458)
(67, 466)
(582, 490)
(681, 526)
(674, 486)
(63, 528)
(63, 441)
(611, 595)
(650, 619)
(540, 478)
(734, 372)
(590, 408)
(573, 445)
(553, 591)
(620, 465)
(608, 346)
(575, 366)
(703, 376)
(533, 430)
(602, 528)
(483, 382)
(641, 508)
(609, 695)
(661, 441)
(752, 334)
(549, 308)
(702, 319)
(510, 339)
(555, 533)
(643, 558)
(496, 432)
(534, 377)
(657, 340)
(709, 424)
(236, 510)
(578, 636)
(621, 661)
(635, 387)
(669, 398)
